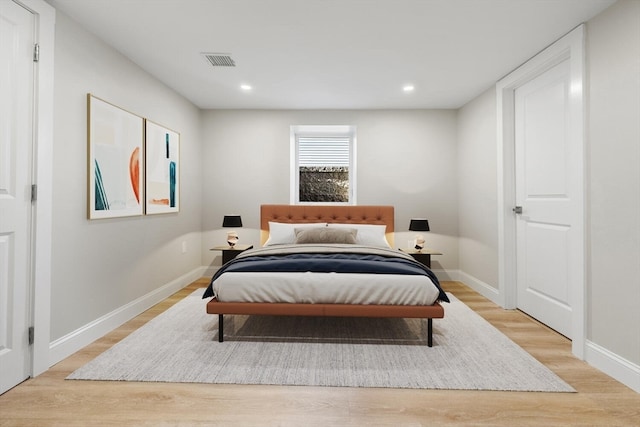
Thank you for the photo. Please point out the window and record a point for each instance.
(323, 164)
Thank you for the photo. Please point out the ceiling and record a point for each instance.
(330, 54)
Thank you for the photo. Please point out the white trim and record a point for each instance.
(445, 275)
(613, 365)
(599, 357)
(570, 47)
(293, 162)
(43, 170)
(481, 287)
(67, 345)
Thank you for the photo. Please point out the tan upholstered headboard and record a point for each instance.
(346, 214)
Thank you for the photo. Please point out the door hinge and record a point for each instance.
(31, 335)
(36, 52)
(517, 210)
(34, 192)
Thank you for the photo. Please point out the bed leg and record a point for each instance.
(220, 328)
(430, 332)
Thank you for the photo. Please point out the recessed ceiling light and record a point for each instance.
(245, 87)
(408, 88)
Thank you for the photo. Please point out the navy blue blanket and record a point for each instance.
(326, 263)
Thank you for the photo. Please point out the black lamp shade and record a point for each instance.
(232, 221)
(419, 224)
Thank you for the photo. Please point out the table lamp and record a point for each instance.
(419, 224)
(232, 221)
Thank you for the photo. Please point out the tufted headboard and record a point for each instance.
(346, 214)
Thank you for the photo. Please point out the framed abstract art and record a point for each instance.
(162, 184)
(115, 161)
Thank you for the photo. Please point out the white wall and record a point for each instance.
(613, 56)
(477, 195)
(405, 158)
(100, 266)
(613, 192)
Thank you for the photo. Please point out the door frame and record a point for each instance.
(570, 47)
(40, 310)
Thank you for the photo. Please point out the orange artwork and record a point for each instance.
(160, 202)
(134, 172)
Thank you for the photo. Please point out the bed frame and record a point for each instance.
(339, 214)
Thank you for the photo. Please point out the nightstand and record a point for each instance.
(229, 253)
(423, 256)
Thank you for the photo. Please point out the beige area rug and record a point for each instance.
(180, 345)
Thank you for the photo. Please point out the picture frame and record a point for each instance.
(162, 163)
(115, 166)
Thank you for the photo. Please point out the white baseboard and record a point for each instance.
(446, 275)
(599, 357)
(481, 287)
(67, 345)
(613, 365)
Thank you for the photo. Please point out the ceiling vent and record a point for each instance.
(220, 59)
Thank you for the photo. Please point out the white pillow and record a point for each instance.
(282, 233)
(368, 234)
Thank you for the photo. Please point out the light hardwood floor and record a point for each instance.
(50, 400)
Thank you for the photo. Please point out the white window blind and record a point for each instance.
(323, 151)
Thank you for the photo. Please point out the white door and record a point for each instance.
(16, 142)
(545, 234)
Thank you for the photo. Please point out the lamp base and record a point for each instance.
(232, 238)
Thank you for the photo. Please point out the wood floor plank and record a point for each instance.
(50, 400)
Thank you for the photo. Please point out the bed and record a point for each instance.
(354, 244)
